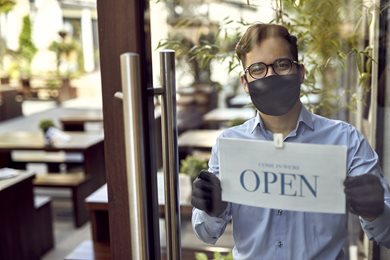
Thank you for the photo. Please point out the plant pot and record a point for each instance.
(47, 136)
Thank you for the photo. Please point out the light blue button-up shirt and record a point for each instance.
(262, 233)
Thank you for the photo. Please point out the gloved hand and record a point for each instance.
(365, 195)
(206, 194)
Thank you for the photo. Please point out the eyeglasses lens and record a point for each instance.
(280, 67)
(258, 70)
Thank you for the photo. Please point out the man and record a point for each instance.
(272, 77)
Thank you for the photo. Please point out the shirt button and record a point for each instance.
(280, 212)
(280, 244)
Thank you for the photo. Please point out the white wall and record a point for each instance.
(47, 22)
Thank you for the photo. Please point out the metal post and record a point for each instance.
(170, 155)
(135, 161)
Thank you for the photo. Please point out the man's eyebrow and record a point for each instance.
(281, 57)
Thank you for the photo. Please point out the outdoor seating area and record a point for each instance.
(50, 89)
(53, 161)
(192, 141)
(74, 163)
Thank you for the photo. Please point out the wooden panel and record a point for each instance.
(121, 29)
(44, 223)
(10, 105)
(18, 236)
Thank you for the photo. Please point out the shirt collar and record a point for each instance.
(304, 116)
(257, 122)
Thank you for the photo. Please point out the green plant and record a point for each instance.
(45, 124)
(64, 50)
(216, 45)
(192, 165)
(329, 37)
(27, 49)
(216, 256)
(6, 5)
(53, 83)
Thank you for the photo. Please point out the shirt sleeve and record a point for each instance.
(208, 228)
(379, 229)
(363, 160)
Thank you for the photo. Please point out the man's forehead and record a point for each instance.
(269, 51)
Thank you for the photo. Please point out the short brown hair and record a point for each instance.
(258, 32)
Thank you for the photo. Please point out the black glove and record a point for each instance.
(365, 195)
(206, 194)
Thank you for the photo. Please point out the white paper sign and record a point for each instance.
(300, 177)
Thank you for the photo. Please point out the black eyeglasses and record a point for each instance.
(281, 66)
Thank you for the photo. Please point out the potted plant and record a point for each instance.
(66, 50)
(45, 125)
(192, 165)
(198, 54)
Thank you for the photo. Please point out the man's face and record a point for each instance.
(267, 52)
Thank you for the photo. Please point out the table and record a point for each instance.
(77, 122)
(97, 204)
(34, 140)
(9, 182)
(198, 139)
(31, 122)
(220, 116)
(18, 236)
(91, 145)
(240, 100)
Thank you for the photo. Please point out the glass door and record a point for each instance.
(133, 141)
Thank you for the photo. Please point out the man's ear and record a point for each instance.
(302, 72)
(244, 83)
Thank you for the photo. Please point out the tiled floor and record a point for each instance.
(67, 237)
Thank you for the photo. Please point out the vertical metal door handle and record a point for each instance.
(135, 165)
(170, 154)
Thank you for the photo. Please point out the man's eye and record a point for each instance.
(258, 69)
(283, 65)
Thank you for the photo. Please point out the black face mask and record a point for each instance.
(275, 95)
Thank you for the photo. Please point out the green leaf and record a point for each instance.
(6, 5)
(201, 256)
(192, 165)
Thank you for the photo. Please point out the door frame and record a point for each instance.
(123, 28)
